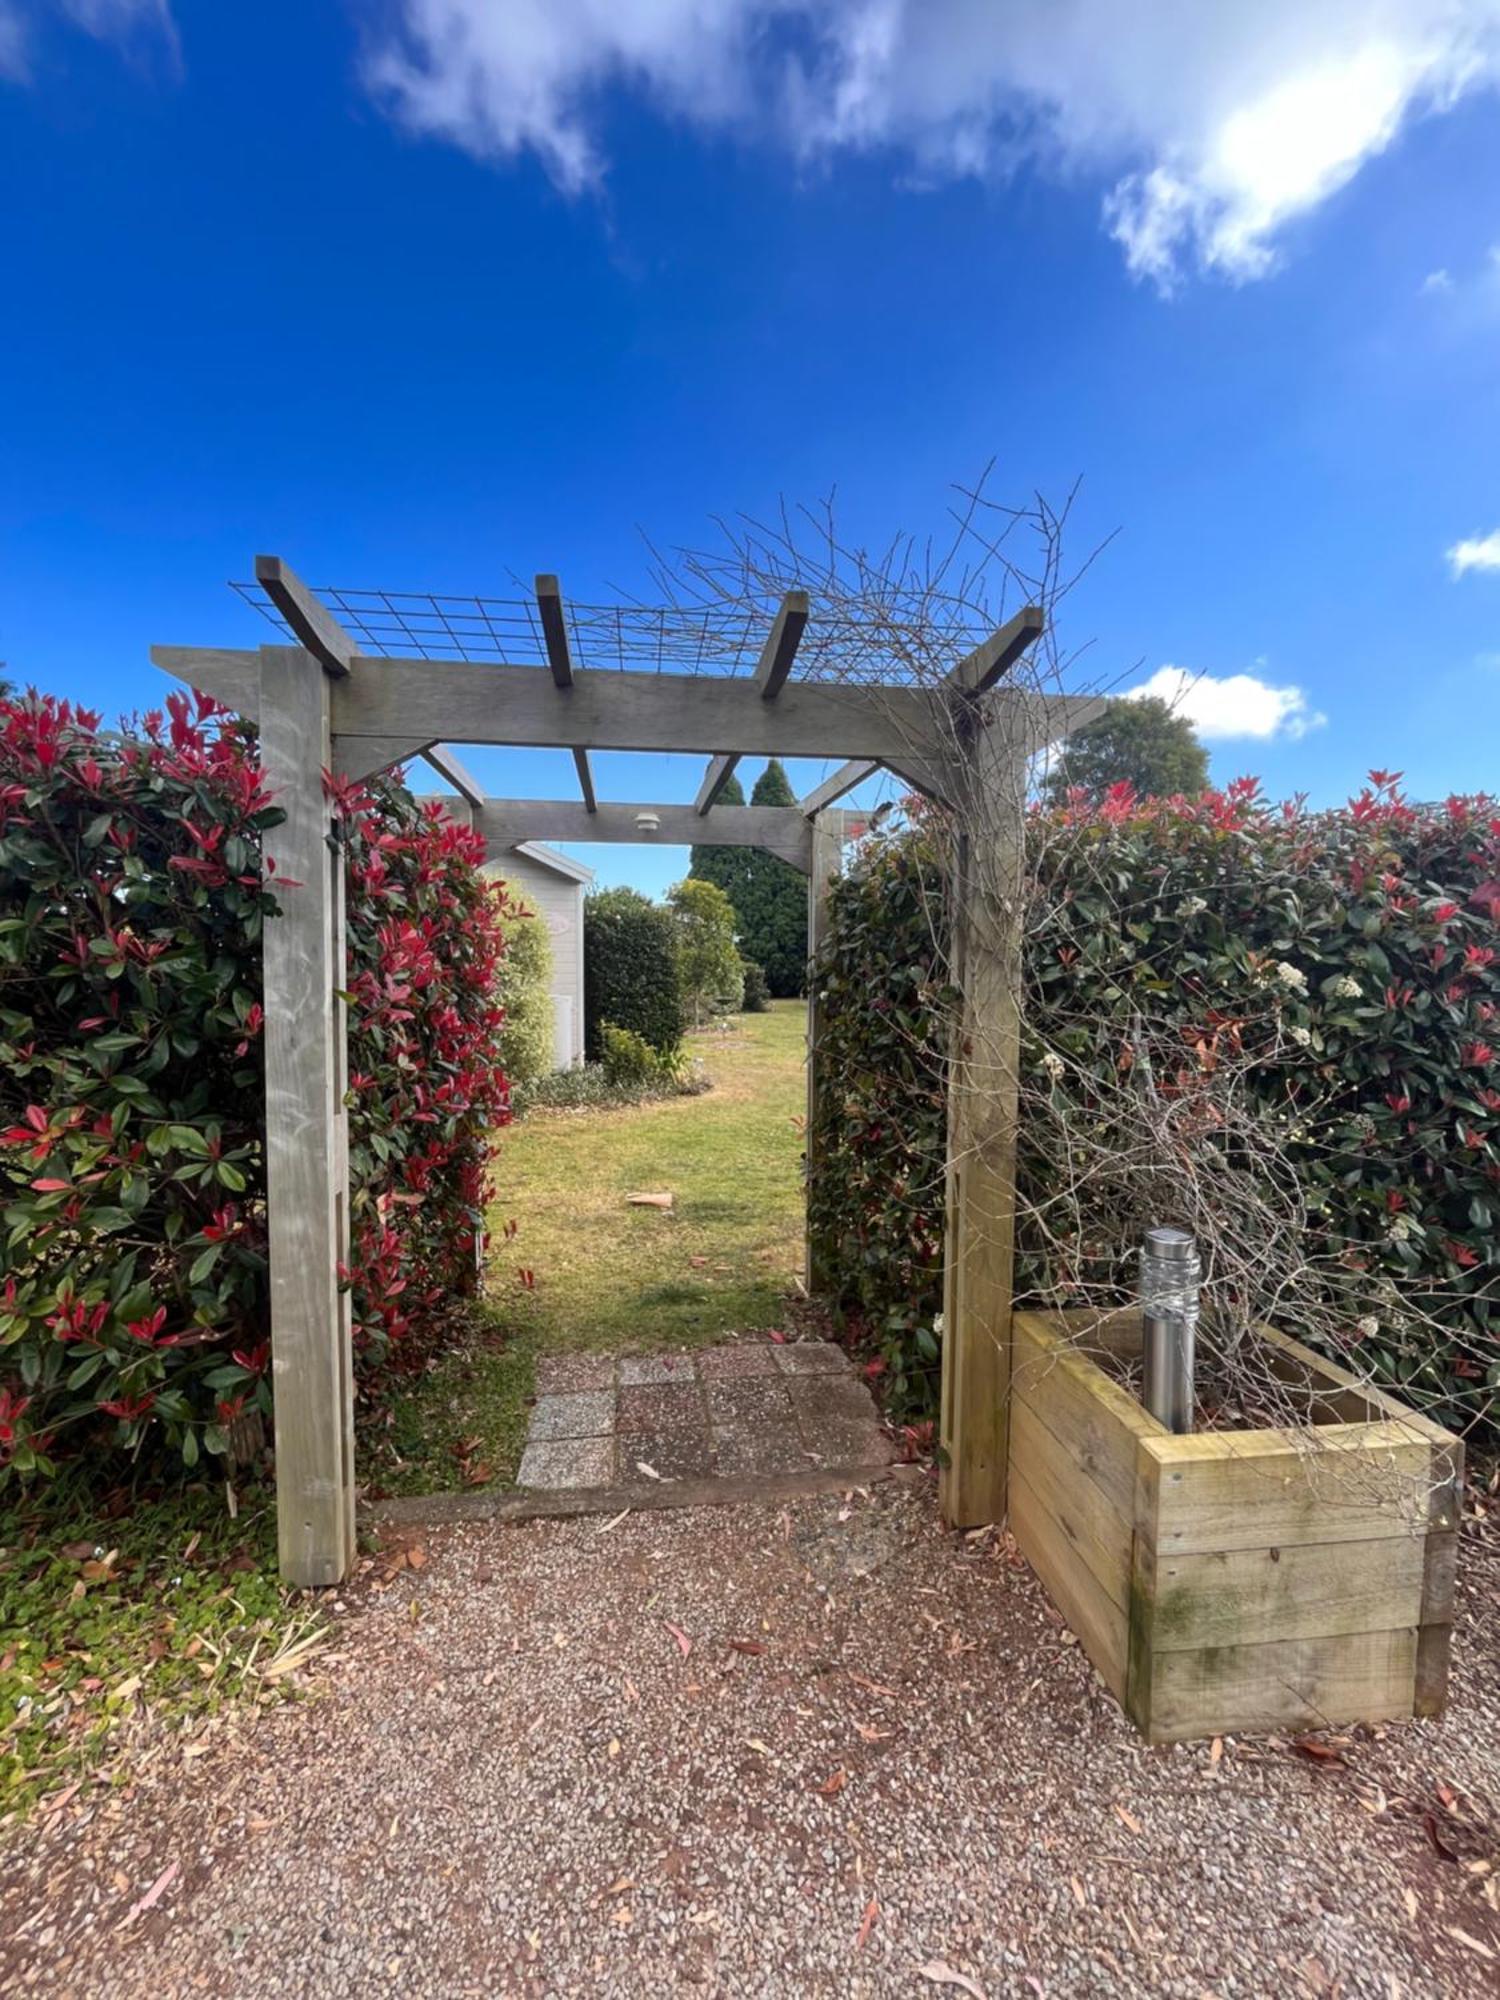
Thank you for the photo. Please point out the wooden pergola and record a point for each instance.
(328, 704)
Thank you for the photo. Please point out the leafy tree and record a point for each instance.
(630, 973)
(728, 867)
(527, 1041)
(1141, 743)
(708, 961)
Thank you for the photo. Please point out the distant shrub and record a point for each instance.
(757, 994)
(528, 1039)
(590, 1088)
(708, 964)
(630, 970)
(629, 1059)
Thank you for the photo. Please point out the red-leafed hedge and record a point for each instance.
(133, 1305)
(1353, 957)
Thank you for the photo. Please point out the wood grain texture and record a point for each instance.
(306, 1133)
(1100, 1623)
(780, 830)
(448, 766)
(1093, 1530)
(1264, 1489)
(824, 861)
(1288, 1684)
(979, 1245)
(1224, 1597)
(833, 788)
(310, 621)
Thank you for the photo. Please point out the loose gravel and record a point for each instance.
(814, 1749)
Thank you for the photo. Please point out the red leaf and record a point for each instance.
(684, 1643)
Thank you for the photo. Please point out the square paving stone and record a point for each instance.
(733, 1364)
(568, 1462)
(757, 1401)
(811, 1357)
(589, 1414)
(845, 1443)
(745, 1451)
(638, 1369)
(659, 1406)
(820, 1399)
(685, 1454)
(568, 1374)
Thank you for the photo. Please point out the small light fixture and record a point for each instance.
(647, 822)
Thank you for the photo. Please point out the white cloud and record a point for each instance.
(1437, 281)
(1241, 705)
(107, 20)
(1475, 552)
(1213, 126)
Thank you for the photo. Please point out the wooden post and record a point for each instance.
(307, 1148)
(979, 1257)
(827, 850)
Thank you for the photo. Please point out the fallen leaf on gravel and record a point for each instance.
(153, 1895)
(684, 1643)
(756, 1744)
(1129, 1818)
(622, 1515)
(1080, 1894)
(1408, 1897)
(747, 1645)
(867, 1923)
(1216, 1750)
(649, 1471)
(1429, 1820)
(1316, 1752)
(1470, 1943)
(942, 1974)
(416, 1558)
(834, 1785)
(874, 1686)
(870, 1734)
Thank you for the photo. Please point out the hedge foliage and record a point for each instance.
(133, 1311)
(630, 970)
(768, 894)
(528, 1041)
(1371, 936)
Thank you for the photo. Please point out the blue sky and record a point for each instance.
(434, 294)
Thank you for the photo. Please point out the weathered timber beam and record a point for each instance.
(457, 701)
(1053, 718)
(585, 772)
(780, 830)
(313, 626)
(715, 778)
(844, 779)
(363, 756)
(993, 659)
(782, 641)
(928, 775)
(447, 766)
(554, 630)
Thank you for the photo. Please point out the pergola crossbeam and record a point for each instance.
(312, 623)
(447, 766)
(844, 779)
(715, 778)
(508, 823)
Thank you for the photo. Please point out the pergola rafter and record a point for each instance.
(324, 704)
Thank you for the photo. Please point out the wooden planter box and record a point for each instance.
(1235, 1580)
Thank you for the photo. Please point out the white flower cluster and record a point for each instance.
(1401, 1228)
(1053, 1064)
(1301, 1036)
(1191, 906)
(1367, 1326)
(1292, 977)
(1345, 988)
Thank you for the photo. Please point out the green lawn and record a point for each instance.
(609, 1277)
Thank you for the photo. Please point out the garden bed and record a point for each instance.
(1236, 1579)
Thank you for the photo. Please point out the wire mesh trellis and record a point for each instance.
(722, 640)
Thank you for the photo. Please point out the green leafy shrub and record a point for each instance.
(768, 894)
(1359, 946)
(133, 1313)
(589, 1088)
(630, 970)
(527, 1040)
(757, 998)
(708, 964)
(629, 1059)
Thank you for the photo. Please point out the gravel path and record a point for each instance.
(820, 1748)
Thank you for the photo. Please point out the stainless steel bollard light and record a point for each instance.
(1170, 1281)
